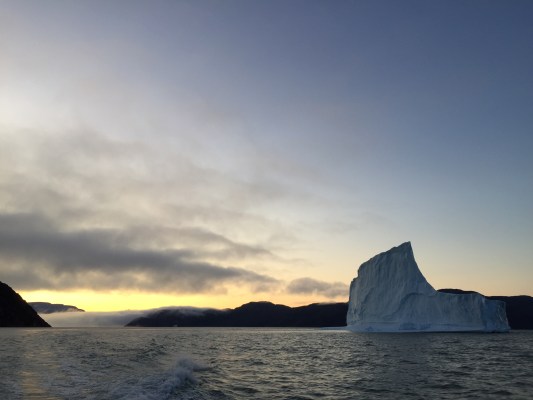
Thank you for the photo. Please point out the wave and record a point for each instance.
(164, 385)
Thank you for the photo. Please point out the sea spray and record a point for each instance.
(160, 385)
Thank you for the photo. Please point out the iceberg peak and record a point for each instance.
(390, 294)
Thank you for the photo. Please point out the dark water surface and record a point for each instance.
(207, 363)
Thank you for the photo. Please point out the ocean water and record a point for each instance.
(206, 363)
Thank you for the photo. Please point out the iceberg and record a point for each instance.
(390, 294)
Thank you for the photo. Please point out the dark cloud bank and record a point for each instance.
(36, 253)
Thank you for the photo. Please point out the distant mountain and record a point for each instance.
(255, 314)
(15, 312)
(49, 308)
(519, 308)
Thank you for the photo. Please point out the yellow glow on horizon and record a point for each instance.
(119, 301)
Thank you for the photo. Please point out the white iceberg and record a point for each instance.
(390, 294)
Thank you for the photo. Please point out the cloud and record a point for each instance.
(217, 245)
(79, 209)
(313, 286)
(83, 177)
(37, 254)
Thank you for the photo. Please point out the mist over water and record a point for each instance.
(91, 318)
(200, 363)
(108, 318)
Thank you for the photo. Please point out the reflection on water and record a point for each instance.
(27, 364)
(261, 363)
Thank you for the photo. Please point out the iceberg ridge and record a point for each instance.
(390, 294)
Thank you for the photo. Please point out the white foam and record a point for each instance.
(158, 386)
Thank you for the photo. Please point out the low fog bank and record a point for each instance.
(91, 319)
(108, 319)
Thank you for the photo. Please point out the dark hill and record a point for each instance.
(519, 308)
(256, 314)
(266, 314)
(15, 312)
(49, 308)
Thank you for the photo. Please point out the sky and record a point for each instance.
(210, 153)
